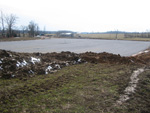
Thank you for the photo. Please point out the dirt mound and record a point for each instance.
(109, 58)
(14, 64)
(144, 56)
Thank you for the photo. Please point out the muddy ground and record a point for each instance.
(13, 64)
(87, 82)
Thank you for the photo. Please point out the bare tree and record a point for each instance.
(116, 34)
(2, 23)
(37, 29)
(33, 29)
(23, 29)
(10, 21)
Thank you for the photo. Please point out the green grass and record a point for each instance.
(78, 88)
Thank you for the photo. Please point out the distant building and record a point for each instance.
(65, 34)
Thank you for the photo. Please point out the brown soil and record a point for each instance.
(14, 64)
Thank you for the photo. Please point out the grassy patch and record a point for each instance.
(78, 88)
(139, 101)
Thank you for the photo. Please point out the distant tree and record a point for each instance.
(116, 34)
(33, 29)
(44, 30)
(10, 21)
(23, 29)
(2, 20)
(37, 30)
(148, 33)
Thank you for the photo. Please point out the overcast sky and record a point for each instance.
(82, 15)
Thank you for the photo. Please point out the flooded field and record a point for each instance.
(124, 48)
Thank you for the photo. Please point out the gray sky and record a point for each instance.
(82, 15)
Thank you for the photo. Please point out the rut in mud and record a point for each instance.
(132, 86)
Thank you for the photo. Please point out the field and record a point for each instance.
(113, 37)
(18, 39)
(94, 83)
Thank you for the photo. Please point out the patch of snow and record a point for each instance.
(74, 62)
(34, 60)
(12, 76)
(0, 62)
(48, 69)
(31, 72)
(131, 88)
(79, 60)
(18, 64)
(67, 64)
(146, 51)
(10, 55)
(24, 63)
(1, 68)
(132, 61)
(57, 66)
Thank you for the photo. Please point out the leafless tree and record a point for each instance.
(116, 34)
(10, 21)
(37, 29)
(2, 18)
(32, 29)
(23, 29)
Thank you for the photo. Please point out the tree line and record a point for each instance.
(8, 28)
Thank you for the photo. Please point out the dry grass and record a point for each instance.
(18, 39)
(106, 36)
(112, 36)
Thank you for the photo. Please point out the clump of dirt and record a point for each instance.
(109, 58)
(13, 64)
(144, 56)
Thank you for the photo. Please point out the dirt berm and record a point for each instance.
(13, 64)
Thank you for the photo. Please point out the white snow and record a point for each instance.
(146, 51)
(12, 76)
(48, 69)
(67, 64)
(79, 60)
(57, 66)
(22, 64)
(34, 60)
(1, 68)
(31, 72)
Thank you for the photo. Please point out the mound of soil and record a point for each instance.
(14, 64)
(109, 58)
(144, 56)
